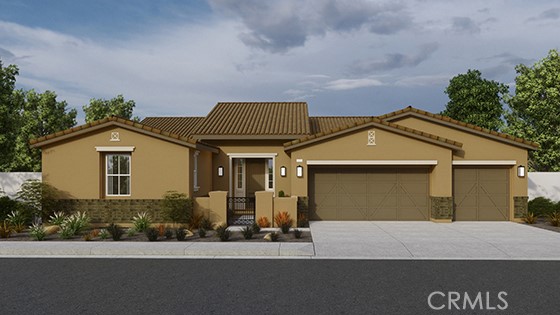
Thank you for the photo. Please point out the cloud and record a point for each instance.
(6, 55)
(350, 84)
(424, 80)
(280, 25)
(464, 24)
(394, 60)
(550, 14)
(503, 63)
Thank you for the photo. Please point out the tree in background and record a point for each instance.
(535, 110)
(475, 100)
(99, 108)
(8, 115)
(40, 114)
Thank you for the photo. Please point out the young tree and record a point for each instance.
(100, 108)
(475, 100)
(41, 114)
(535, 110)
(8, 115)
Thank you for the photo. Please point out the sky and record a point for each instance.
(343, 57)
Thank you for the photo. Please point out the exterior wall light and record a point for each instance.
(521, 171)
(220, 171)
(299, 171)
(283, 171)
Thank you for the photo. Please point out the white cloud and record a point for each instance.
(350, 84)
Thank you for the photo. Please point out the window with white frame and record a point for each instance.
(118, 174)
(195, 171)
(269, 174)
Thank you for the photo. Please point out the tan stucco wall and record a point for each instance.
(76, 168)
(244, 146)
(389, 146)
(286, 204)
(204, 173)
(479, 148)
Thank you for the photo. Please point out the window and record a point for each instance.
(269, 174)
(118, 174)
(195, 171)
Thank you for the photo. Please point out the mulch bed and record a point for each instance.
(236, 236)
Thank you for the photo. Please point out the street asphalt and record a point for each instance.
(336, 240)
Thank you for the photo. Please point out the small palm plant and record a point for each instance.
(530, 218)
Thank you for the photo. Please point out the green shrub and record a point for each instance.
(37, 232)
(274, 237)
(247, 232)
(168, 233)
(223, 233)
(180, 234)
(57, 218)
(17, 220)
(542, 206)
(39, 197)
(152, 234)
(131, 232)
(116, 231)
(256, 228)
(554, 218)
(177, 207)
(202, 232)
(281, 194)
(66, 231)
(297, 233)
(141, 221)
(76, 222)
(103, 234)
(7, 205)
(206, 224)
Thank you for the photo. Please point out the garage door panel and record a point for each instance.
(354, 200)
(384, 213)
(481, 194)
(352, 188)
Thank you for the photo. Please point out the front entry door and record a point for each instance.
(239, 178)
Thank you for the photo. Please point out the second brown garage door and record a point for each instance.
(481, 194)
(357, 193)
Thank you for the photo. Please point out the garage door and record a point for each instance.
(368, 193)
(481, 194)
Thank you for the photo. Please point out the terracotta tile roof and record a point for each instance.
(494, 134)
(182, 126)
(376, 121)
(102, 123)
(326, 123)
(256, 119)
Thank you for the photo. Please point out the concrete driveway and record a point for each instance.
(428, 240)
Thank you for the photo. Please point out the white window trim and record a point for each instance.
(114, 149)
(484, 162)
(248, 156)
(129, 176)
(267, 174)
(196, 187)
(372, 162)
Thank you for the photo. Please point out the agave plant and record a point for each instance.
(530, 218)
(554, 218)
(17, 219)
(37, 232)
(57, 218)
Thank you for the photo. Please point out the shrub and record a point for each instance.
(281, 194)
(297, 233)
(141, 221)
(66, 231)
(247, 232)
(284, 221)
(256, 228)
(87, 236)
(103, 234)
(274, 237)
(168, 233)
(202, 232)
(263, 222)
(131, 232)
(206, 223)
(7, 205)
(17, 220)
(152, 234)
(195, 221)
(223, 233)
(530, 218)
(76, 222)
(5, 230)
(180, 234)
(95, 232)
(177, 207)
(57, 218)
(37, 232)
(302, 220)
(116, 231)
(39, 197)
(554, 218)
(542, 206)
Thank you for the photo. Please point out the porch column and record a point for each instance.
(264, 205)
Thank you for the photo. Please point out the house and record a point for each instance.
(242, 157)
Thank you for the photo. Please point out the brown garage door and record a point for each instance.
(352, 193)
(481, 194)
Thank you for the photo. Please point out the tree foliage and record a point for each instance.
(535, 110)
(8, 115)
(475, 100)
(41, 114)
(177, 207)
(100, 108)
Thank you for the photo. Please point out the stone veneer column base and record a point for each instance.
(520, 206)
(441, 209)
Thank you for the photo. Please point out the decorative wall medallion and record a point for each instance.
(371, 137)
(115, 136)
